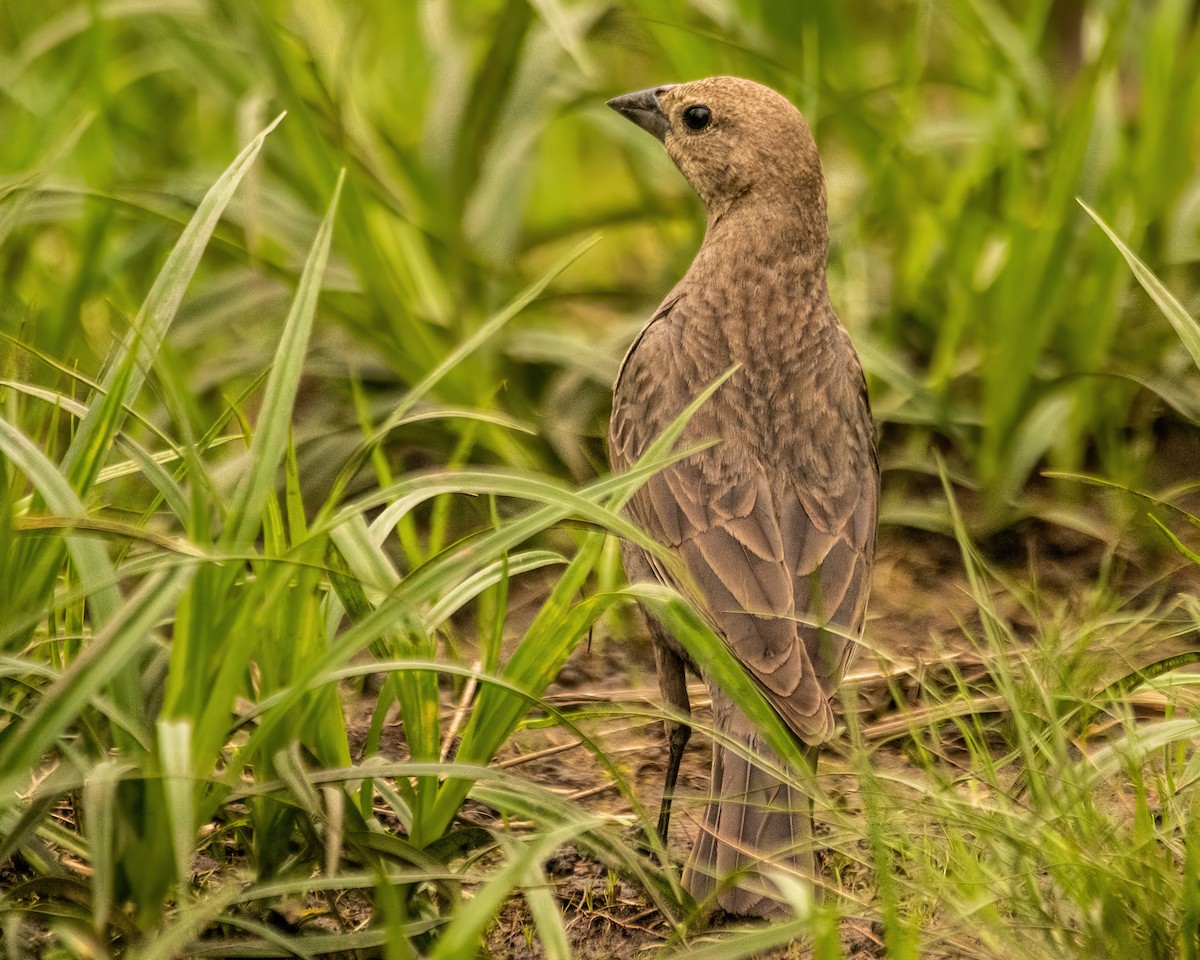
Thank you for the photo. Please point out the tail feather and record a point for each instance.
(755, 825)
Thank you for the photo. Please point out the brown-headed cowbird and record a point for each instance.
(775, 522)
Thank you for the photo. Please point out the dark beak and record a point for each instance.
(643, 109)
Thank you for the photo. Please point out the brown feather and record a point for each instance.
(775, 523)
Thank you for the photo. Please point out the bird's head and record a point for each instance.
(735, 140)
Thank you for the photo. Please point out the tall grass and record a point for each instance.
(127, 682)
(306, 342)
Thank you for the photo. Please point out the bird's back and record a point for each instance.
(775, 522)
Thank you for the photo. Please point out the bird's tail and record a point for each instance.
(755, 827)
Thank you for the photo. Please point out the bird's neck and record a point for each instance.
(758, 279)
(789, 244)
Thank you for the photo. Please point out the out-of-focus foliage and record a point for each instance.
(956, 137)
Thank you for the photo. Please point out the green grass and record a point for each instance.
(308, 317)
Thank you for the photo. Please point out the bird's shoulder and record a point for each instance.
(652, 386)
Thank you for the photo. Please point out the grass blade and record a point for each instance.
(1185, 325)
(121, 641)
(271, 437)
(134, 360)
(95, 571)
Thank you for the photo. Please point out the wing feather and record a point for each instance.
(772, 549)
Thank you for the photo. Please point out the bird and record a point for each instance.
(773, 524)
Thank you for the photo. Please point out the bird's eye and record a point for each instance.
(697, 117)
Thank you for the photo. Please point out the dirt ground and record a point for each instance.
(921, 613)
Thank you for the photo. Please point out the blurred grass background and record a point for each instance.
(463, 320)
(995, 318)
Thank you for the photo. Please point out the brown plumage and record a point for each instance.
(775, 523)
